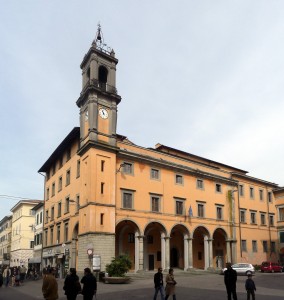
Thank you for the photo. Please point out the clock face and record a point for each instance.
(103, 113)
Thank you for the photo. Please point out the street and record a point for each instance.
(189, 287)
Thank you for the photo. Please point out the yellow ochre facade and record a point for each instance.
(105, 195)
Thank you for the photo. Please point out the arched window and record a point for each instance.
(103, 74)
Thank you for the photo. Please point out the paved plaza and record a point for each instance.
(190, 287)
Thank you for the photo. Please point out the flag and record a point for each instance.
(190, 213)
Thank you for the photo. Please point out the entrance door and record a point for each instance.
(174, 257)
(151, 262)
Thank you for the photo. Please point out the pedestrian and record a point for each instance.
(1, 280)
(250, 287)
(23, 271)
(49, 287)
(89, 282)
(72, 286)
(6, 275)
(170, 285)
(159, 284)
(230, 279)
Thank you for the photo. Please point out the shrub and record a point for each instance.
(119, 266)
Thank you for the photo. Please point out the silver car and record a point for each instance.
(242, 269)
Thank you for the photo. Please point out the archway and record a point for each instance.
(177, 247)
(220, 256)
(155, 246)
(125, 240)
(200, 248)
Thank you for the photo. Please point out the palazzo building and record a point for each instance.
(105, 195)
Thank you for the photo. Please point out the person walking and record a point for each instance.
(230, 279)
(6, 275)
(89, 282)
(250, 287)
(159, 284)
(170, 285)
(23, 271)
(49, 286)
(72, 286)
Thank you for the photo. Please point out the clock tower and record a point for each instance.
(99, 99)
(97, 150)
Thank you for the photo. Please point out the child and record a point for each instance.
(250, 287)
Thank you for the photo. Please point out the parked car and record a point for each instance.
(268, 266)
(242, 269)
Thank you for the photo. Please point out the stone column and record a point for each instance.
(190, 255)
(167, 261)
(206, 253)
(137, 252)
(163, 251)
(210, 243)
(185, 247)
(228, 247)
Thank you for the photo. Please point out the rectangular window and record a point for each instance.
(52, 214)
(77, 203)
(102, 165)
(68, 154)
(102, 187)
(179, 179)
(128, 168)
(265, 247)
(242, 216)
(67, 205)
(155, 173)
(273, 247)
(67, 177)
(47, 193)
(179, 207)
(199, 184)
(253, 218)
(51, 236)
(53, 170)
(200, 210)
(244, 245)
(261, 195)
(53, 189)
(59, 208)
(40, 217)
(32, 244)
(281, 213)
(60, 184)
(65, 232)
(254, 246)
(78, 168)
(269, 195)
(102, 219)
(127, 200)
(281, 236)
(241, 190)
(58, 234)
(155, 203)
(61, 162)
(262, 219)
(271, 220)
(46, 216)
(218, 188)
(37, 219)
(251, 192)
(219, 212)
(131, 238)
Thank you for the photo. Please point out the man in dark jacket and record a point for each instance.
(159, 284)
(230, 279)
(72, 285)
(89, 282)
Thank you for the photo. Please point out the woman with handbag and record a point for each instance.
(72, 286)
(171, 285)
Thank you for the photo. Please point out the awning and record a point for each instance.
(60, 256)
(35, 260)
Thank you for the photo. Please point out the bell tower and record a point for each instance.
(98, 99)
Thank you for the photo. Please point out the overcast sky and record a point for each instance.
(205, 77)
